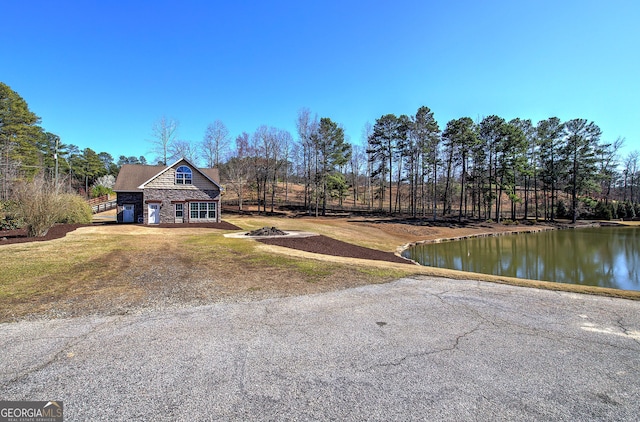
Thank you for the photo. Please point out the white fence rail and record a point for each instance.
(104, 206)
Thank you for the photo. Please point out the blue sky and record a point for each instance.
(100, 73)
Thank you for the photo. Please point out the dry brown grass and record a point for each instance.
(392, 236)
(119, 269)
(384, 234)
(125, 268)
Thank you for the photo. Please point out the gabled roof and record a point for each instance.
(212, 174)
(133, 177)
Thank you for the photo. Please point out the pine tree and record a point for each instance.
(334, 152)
(426, 132)
(579, 153)
(19, 133)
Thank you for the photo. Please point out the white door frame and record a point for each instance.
(155, 215)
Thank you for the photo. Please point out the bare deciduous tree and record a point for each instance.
(215, 143)
(358, 158)
(237, 170)
(182, 149)
(630, 174)
(164, 132)
(307, 127)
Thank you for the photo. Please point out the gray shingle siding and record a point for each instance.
(141, 185)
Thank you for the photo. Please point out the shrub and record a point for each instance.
(630, 211)
(621, 210)
(74, 209)
(602, 211)
(8, 219)
(103, 186)
(99, 190)
(561, 211)
(38, 205)
(616, 208)
(9, 222)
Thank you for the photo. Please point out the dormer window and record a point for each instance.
(183, 175)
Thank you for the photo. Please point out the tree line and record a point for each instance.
(484, 169)
(483, 166)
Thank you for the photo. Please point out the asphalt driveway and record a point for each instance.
(415, 349)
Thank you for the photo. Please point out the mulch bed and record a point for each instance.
(8, 237)
(328, 246)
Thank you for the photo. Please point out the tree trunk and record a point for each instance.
(390, 178)
(462, 186)
(397, 205)
(435, 193)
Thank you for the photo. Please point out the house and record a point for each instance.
(178, 193)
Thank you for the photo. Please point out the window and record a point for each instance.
(202, 211)
(183, 175)
(179, 210)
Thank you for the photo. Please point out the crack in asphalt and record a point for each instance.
(455, 346)
(472, 310)
(523, 329)
(625, 330)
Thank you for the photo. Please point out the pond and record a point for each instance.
(602, 256)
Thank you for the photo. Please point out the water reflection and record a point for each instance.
(605, 257)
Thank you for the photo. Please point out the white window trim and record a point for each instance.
(184, 177)
(197, 207)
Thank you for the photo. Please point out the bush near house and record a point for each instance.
(99, 190)
(74, 210)
(39, 205)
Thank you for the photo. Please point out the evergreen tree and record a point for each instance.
(388, 133)
(334, 152)
(579, 153)
(462, 139)
(529, 172)
(550, 141)
(426, 132)
(19, 133)
(511, 162)
(490, 132)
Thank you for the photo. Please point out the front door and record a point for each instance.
(127, 213)
(154, 214)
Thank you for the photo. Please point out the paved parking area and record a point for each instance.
(415, 349)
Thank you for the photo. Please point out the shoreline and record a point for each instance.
(521, 282)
